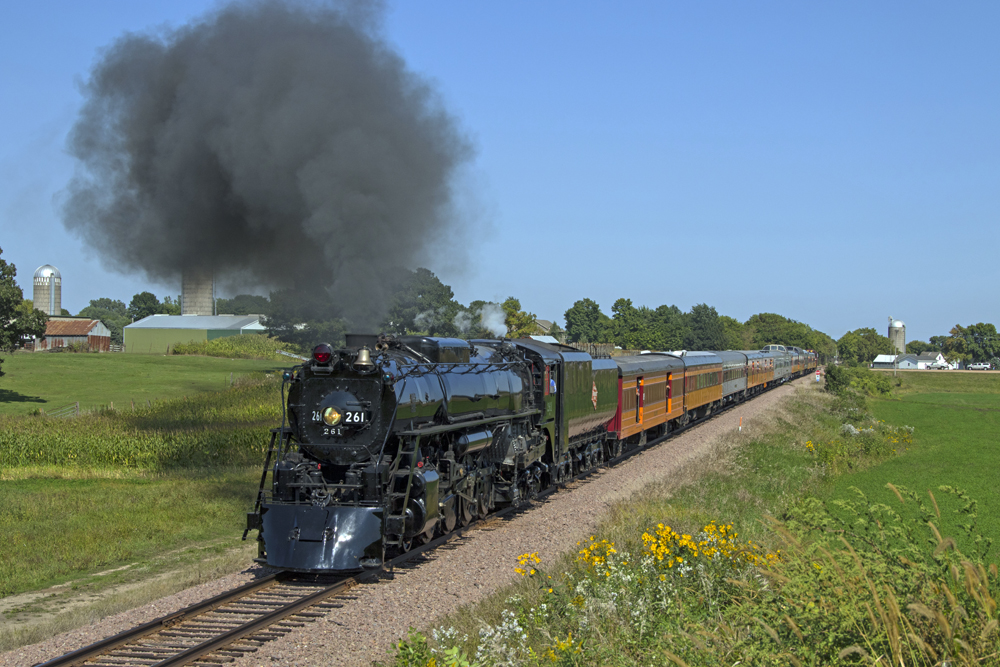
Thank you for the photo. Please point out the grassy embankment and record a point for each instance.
(693, 572)
(140, 493)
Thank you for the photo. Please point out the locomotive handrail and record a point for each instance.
(451, 427)
(407, 370)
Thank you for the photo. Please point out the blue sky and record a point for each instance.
(836, 164)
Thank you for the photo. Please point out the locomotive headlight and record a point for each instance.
(332, 416)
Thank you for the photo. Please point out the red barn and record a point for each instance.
(67, 331)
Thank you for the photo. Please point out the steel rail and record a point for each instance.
(255, 625)
(162, 623)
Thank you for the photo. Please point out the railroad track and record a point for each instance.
(230, 625)
(235, 623)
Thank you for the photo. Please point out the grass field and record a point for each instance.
(48, 381)
(117, 486)
(58, 529)
(956, 442)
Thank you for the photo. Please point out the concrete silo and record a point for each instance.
(897, 335)
(47, 293)
(197, 292)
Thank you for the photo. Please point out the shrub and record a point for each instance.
(249, 346)
(842, 379)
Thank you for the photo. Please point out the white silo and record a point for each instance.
(47, 293)
(897, 335)
(197, 292)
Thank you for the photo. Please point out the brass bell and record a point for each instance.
(364, 360)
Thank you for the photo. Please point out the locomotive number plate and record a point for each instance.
(356, 417)
(350, 420)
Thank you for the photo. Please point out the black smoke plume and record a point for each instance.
(287, 145)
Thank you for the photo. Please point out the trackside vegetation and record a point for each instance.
(225, 428)
(250, 346)
(768, 557)
(114, 488)
(45, 381)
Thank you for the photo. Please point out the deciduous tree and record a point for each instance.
(242, 304)
(519, 323)
(304, 318)
(143, 305)
(974, 343)
(585, 323)
(732, 333)
(861, 346)
(18, 318)
(422, 304)
(705, 330)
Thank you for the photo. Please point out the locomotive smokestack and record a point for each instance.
(276, 142)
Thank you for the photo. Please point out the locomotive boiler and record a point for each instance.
(391, 441)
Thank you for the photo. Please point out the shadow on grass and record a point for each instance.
(8, 396)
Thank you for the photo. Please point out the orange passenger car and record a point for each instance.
(650, 394)
(702, 383)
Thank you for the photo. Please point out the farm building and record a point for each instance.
(157, 334)
(927, 358)
(69, 331)
(884, 361)
(900, 361)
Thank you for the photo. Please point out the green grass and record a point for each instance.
(52, 380)
(956, 418)
(945, 381)
(57, 529)
(113, 486)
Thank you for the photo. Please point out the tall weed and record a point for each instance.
(248, 346)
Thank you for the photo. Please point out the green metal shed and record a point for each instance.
(157, 334)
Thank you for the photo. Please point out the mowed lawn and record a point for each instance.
(956, 442)
(49, 381)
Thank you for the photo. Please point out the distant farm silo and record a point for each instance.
(197, 292)
(897, 335)
(47, 293)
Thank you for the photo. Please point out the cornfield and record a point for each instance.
(227, 428)
(249, 346)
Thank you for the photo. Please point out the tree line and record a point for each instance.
(701, 328)
(420, 303)
(964, 344)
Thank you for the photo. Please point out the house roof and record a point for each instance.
(544, 324)
(234, 322)
(75, 327)
(928, 356)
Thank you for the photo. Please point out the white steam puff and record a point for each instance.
(494, 319)
(463, 321)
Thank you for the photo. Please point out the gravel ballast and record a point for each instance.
(481, 562)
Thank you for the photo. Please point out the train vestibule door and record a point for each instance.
(640, 396)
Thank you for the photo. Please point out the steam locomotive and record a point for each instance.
(392, 441)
